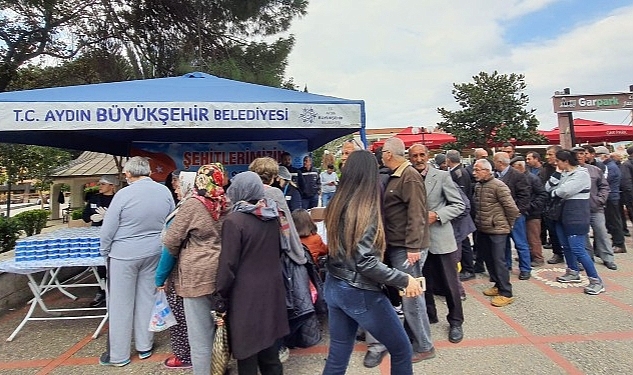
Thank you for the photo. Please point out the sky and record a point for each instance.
(403, 57)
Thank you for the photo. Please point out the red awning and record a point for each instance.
(588, 131)
(430, 140)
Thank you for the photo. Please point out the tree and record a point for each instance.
(157, 38)
(493, 111)
(14, 158)
(43, 161)
(22, 162)
(33, 28)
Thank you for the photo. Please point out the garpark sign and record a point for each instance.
(593, 102)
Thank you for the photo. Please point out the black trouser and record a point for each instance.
(440, 271)
(553, 237)
(468, 257)
(614, 221)
(629, 211)
(266, 360)
(544, 231)
(102, 272)
(493, 249)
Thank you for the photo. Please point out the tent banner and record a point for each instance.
(235, 156)
(130, 115)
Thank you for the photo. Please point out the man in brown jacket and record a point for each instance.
(408, 239)
(495, 213)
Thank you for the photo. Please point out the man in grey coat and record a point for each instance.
(444, 203)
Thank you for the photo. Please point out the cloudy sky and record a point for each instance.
(402, 57)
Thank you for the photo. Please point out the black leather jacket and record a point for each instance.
(364, 269)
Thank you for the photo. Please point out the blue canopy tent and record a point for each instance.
(196, 107)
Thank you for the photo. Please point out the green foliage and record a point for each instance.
(32, 221)
(493, 111)
(135, 39)
(77, 214)
(9, 233)
(91, 189)
(15, 159)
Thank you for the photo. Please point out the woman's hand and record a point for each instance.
(414, 288)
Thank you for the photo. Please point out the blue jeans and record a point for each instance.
(308, 203)
(574, 249)
(325, 198)
(349, 307)
(519, 236)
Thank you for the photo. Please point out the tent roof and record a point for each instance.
(431, 140)
(93, 164)
(284, 114)
(593, 131)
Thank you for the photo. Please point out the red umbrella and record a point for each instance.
(430, 140)
(588, 131)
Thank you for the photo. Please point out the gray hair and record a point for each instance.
(519, 162)
(484, 164)
(395, 145)
(354, 143)
(138, 166)
(453, 156)
(502, 157)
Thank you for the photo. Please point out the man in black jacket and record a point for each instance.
(538, 198)
(461, 177)
(93, 213)
(311, 187)
(521, 192)
(626, 191)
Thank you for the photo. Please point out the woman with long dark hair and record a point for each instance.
(572, 184)
(356, 274)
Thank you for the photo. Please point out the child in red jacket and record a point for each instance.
(308, 233)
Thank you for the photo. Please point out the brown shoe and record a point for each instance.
(419, 357)
(501, 301)
(491, 292)
(619, 250)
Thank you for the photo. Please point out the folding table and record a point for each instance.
(50, 281)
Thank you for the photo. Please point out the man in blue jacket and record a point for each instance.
(612, 208)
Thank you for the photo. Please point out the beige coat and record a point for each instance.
(495, 209)
(197, 232)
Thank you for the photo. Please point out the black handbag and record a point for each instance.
(554, 209)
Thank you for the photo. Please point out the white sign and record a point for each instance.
(146, 115)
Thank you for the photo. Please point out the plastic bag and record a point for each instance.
(162, 316)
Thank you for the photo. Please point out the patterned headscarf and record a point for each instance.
(209, 190)
(186, 181)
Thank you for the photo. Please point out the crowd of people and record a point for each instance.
(401, 227)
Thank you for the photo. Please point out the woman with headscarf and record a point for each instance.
(194, 239)
(250, 277)
(181, 359)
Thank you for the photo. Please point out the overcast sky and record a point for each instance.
(402, 57)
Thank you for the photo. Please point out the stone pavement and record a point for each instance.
(551, 328)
